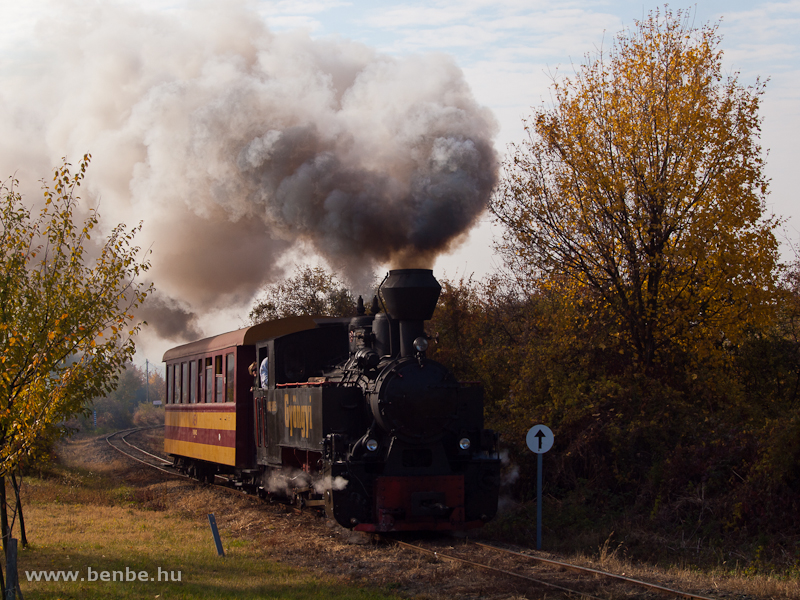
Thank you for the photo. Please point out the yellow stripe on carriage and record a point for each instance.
(198, 419)
(224, 455)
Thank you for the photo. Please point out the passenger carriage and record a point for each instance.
(209, 398)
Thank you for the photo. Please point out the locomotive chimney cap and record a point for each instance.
(411, 294)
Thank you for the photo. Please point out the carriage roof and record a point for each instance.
(248, 335)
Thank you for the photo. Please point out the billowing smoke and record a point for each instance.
(235, 144)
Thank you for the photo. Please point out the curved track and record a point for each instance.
(161, 463)
(146, 458)
(495, 570)
(466, 554)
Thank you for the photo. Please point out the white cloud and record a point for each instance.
(280, 22)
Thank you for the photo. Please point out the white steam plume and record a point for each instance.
(283, 482)
(234, 144)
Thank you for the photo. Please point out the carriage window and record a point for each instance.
(209, 380)
(229, 377)
(200, 380)
(177, 384)
(169, 383)
(260, 420)
(219, 380)
(185, 383)
(192, 382)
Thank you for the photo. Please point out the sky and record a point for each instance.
(510, 51)
(507, 51)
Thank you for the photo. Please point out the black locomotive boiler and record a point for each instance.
(350, 415)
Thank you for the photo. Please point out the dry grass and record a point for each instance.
(97, 510)
(715, 582)
(116, 519)
(650, 555)
(114, 538)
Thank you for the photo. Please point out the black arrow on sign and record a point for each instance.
(539, 434)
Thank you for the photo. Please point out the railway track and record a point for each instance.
(535, 573)
(120, 442)
(523, 567)
(598, 573)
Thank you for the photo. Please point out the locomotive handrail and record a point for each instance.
(307, 384)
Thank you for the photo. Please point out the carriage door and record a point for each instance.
(260, 406)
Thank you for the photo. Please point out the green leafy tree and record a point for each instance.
(66, 320)
(311, 291)
(643, 186)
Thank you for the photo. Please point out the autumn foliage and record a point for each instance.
(66, 321)
(641, 190)
(643, 314)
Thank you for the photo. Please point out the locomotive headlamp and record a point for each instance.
(464, 443)
(372, 444)
(420, 344)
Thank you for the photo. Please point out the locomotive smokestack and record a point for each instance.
(410, 296)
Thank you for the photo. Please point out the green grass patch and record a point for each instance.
(106, 547)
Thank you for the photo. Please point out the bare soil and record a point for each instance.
(309, 541)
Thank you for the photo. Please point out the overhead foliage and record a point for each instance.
(311, 291)
(643, 185)
(66, 321)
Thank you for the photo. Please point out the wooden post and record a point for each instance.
(215, 532)
(2, 580)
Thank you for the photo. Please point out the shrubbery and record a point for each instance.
(704, 448)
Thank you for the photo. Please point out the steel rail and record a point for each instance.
(124, 438)
(129, 455)
(492, 569)
(169, 470)
(579, 569)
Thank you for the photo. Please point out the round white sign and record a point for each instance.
(539, 439)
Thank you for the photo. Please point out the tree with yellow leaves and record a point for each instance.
(66, 321)
(642, 187)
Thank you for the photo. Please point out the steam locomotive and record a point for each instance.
(348, 415)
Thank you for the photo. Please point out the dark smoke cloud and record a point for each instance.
(235, 144)
(169, 320)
